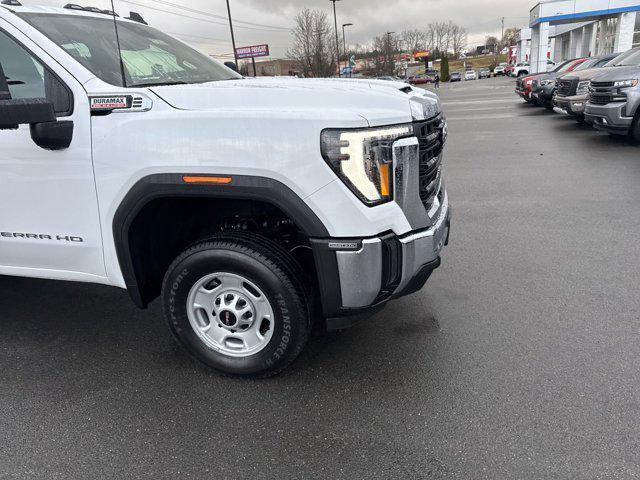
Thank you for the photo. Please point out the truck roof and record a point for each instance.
(60, 11)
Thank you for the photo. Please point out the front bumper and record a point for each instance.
(359, 276)
(574, 105)
(524, 93)
(544, 94)
(609, 118)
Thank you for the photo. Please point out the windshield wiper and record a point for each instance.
(159, 84)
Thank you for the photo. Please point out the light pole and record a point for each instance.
(233, 38)
(335, 20)
(390, 51)
(344, 43)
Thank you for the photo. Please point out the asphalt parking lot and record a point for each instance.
(520, 360)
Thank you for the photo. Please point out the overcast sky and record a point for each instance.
(370, 18)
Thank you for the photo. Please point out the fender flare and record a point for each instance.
(241, 187)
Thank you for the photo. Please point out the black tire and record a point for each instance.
(581, 119)
(634, 131)
(272, 269)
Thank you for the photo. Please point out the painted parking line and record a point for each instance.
(478, 102)
(480, 109)
(482, 117)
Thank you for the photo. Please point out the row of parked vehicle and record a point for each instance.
(602, 91)
(470, 74)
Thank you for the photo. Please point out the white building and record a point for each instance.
(524, 45)
(563, 29)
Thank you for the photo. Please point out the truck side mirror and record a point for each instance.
(22, 111)
(25, 111)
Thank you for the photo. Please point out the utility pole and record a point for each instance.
(233, 38)
(502, 30)
(344, 44)
(335, 20)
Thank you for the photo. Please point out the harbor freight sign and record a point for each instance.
(252, 51)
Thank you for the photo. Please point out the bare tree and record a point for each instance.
(458, 37)
(385, 49)
(415, 40)
(511, 37)
(491, 40)
(430, 34)
(313, 44)
(440, 30)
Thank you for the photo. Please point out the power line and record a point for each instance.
(213, 41)
(202, 19)
(217, 40)
(221, 17)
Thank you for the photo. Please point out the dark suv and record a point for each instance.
(543, 87)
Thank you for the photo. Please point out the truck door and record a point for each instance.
(49, 221)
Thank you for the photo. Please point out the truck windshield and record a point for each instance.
(630, 58)
(563, 67)
(587, 64)
(149, 56)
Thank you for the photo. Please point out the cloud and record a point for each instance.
(370, 18)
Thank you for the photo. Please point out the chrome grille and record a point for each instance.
(430, 136)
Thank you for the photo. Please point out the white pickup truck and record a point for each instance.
(252, 207)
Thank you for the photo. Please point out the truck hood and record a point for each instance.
(584, 74)
(614, 74)
(378, 102)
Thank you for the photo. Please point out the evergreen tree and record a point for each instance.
(444, 68)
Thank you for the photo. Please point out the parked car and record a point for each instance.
(519, 70)
(484, 73)
(523, 69)
(572, 89)
(420, 79)
(500, 69)
(523, 88)
(170, 175)
(455, 77)
(525, 84)
(544, 86)
(614, 97)
(470, 75)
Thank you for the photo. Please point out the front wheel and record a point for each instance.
(237, 303)
(634, 132)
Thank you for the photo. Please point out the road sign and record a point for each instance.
(252, 51)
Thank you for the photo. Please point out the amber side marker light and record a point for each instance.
(384, 180)
(207, 180)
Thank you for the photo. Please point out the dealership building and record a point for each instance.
(564, 29)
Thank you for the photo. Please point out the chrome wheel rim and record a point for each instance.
(230, 314)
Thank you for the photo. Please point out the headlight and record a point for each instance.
(583, 87)
(363, 159)
(547, 82)
(625, 83)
